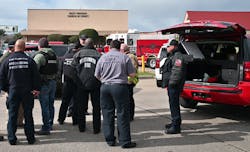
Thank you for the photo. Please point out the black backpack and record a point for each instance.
(86, 72)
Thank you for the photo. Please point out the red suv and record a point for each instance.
(220, 70)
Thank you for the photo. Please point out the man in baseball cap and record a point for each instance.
(82, 39)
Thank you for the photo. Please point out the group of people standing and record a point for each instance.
(85, 73)
(107, 79)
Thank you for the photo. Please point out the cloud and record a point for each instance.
(143, 15)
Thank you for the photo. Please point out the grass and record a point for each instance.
(145, 74)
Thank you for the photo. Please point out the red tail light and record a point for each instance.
(247, 71)
(157, 63)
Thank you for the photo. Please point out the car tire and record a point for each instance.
(159, 83)
(151, 63)
(187, 103)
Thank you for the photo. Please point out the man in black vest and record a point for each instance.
(47, 64)
(85, 62)
(69, 86)
(173, 74)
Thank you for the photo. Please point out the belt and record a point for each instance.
(106, 83)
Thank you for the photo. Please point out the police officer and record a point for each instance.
(20, 74)
(69, 86)
(113, 70)
(173, 73)
(85, 63)
(47, 64)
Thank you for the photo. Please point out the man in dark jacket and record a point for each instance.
(69, 86)
(173, 73)
(85, 62)
(20, 74)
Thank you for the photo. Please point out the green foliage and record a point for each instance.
(58, 37)
(92, 33)
(17, 36)
(2, 32)
(73, 38)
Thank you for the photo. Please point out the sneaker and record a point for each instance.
(43, 132)
(129, 145)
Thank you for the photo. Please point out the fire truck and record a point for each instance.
(141, 44)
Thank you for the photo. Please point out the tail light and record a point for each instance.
(247, 71)
(157, 63)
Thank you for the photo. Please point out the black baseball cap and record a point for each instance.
(11, 43)
(83, 37)
(174, 43)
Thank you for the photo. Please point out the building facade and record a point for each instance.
(69, 22)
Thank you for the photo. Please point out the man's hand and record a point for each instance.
(35, 93)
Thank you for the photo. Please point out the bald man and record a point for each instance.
(19, 74)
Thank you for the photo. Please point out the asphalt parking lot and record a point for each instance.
(212, 128)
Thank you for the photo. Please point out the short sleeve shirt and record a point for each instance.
(114, 67)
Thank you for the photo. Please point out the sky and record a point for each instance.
(144, 15)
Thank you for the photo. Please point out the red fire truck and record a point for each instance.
(141, 44)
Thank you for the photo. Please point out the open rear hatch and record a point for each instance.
(204, 70)
(204, 27)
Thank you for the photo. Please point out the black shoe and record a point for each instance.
(1, 138)
(167, 126)
(69, 114)
(112, 143)
(97, 131)
(173, 130)
(12, 142)
(60, 122)
(129, 145)
(82, 129)
(31, 141)
(43, 132)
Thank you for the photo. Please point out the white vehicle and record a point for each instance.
(159, 63)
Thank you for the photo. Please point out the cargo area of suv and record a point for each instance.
(219, 71)
(215, 62)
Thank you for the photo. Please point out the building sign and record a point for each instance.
(77, 14)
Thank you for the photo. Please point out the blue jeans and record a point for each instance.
(47, 97)
(15, 97)
(116, 96)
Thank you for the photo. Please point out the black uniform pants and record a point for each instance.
(15, 97)
(174, 95)
(82, 102)
(69, 95)
(115, 96)
(131, 101)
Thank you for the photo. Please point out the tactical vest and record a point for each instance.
(51, 66)
(68, 70)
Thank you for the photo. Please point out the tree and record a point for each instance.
(58, 37)
(73, 38)
(92, 33)
(2, 33)
(18, 36)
